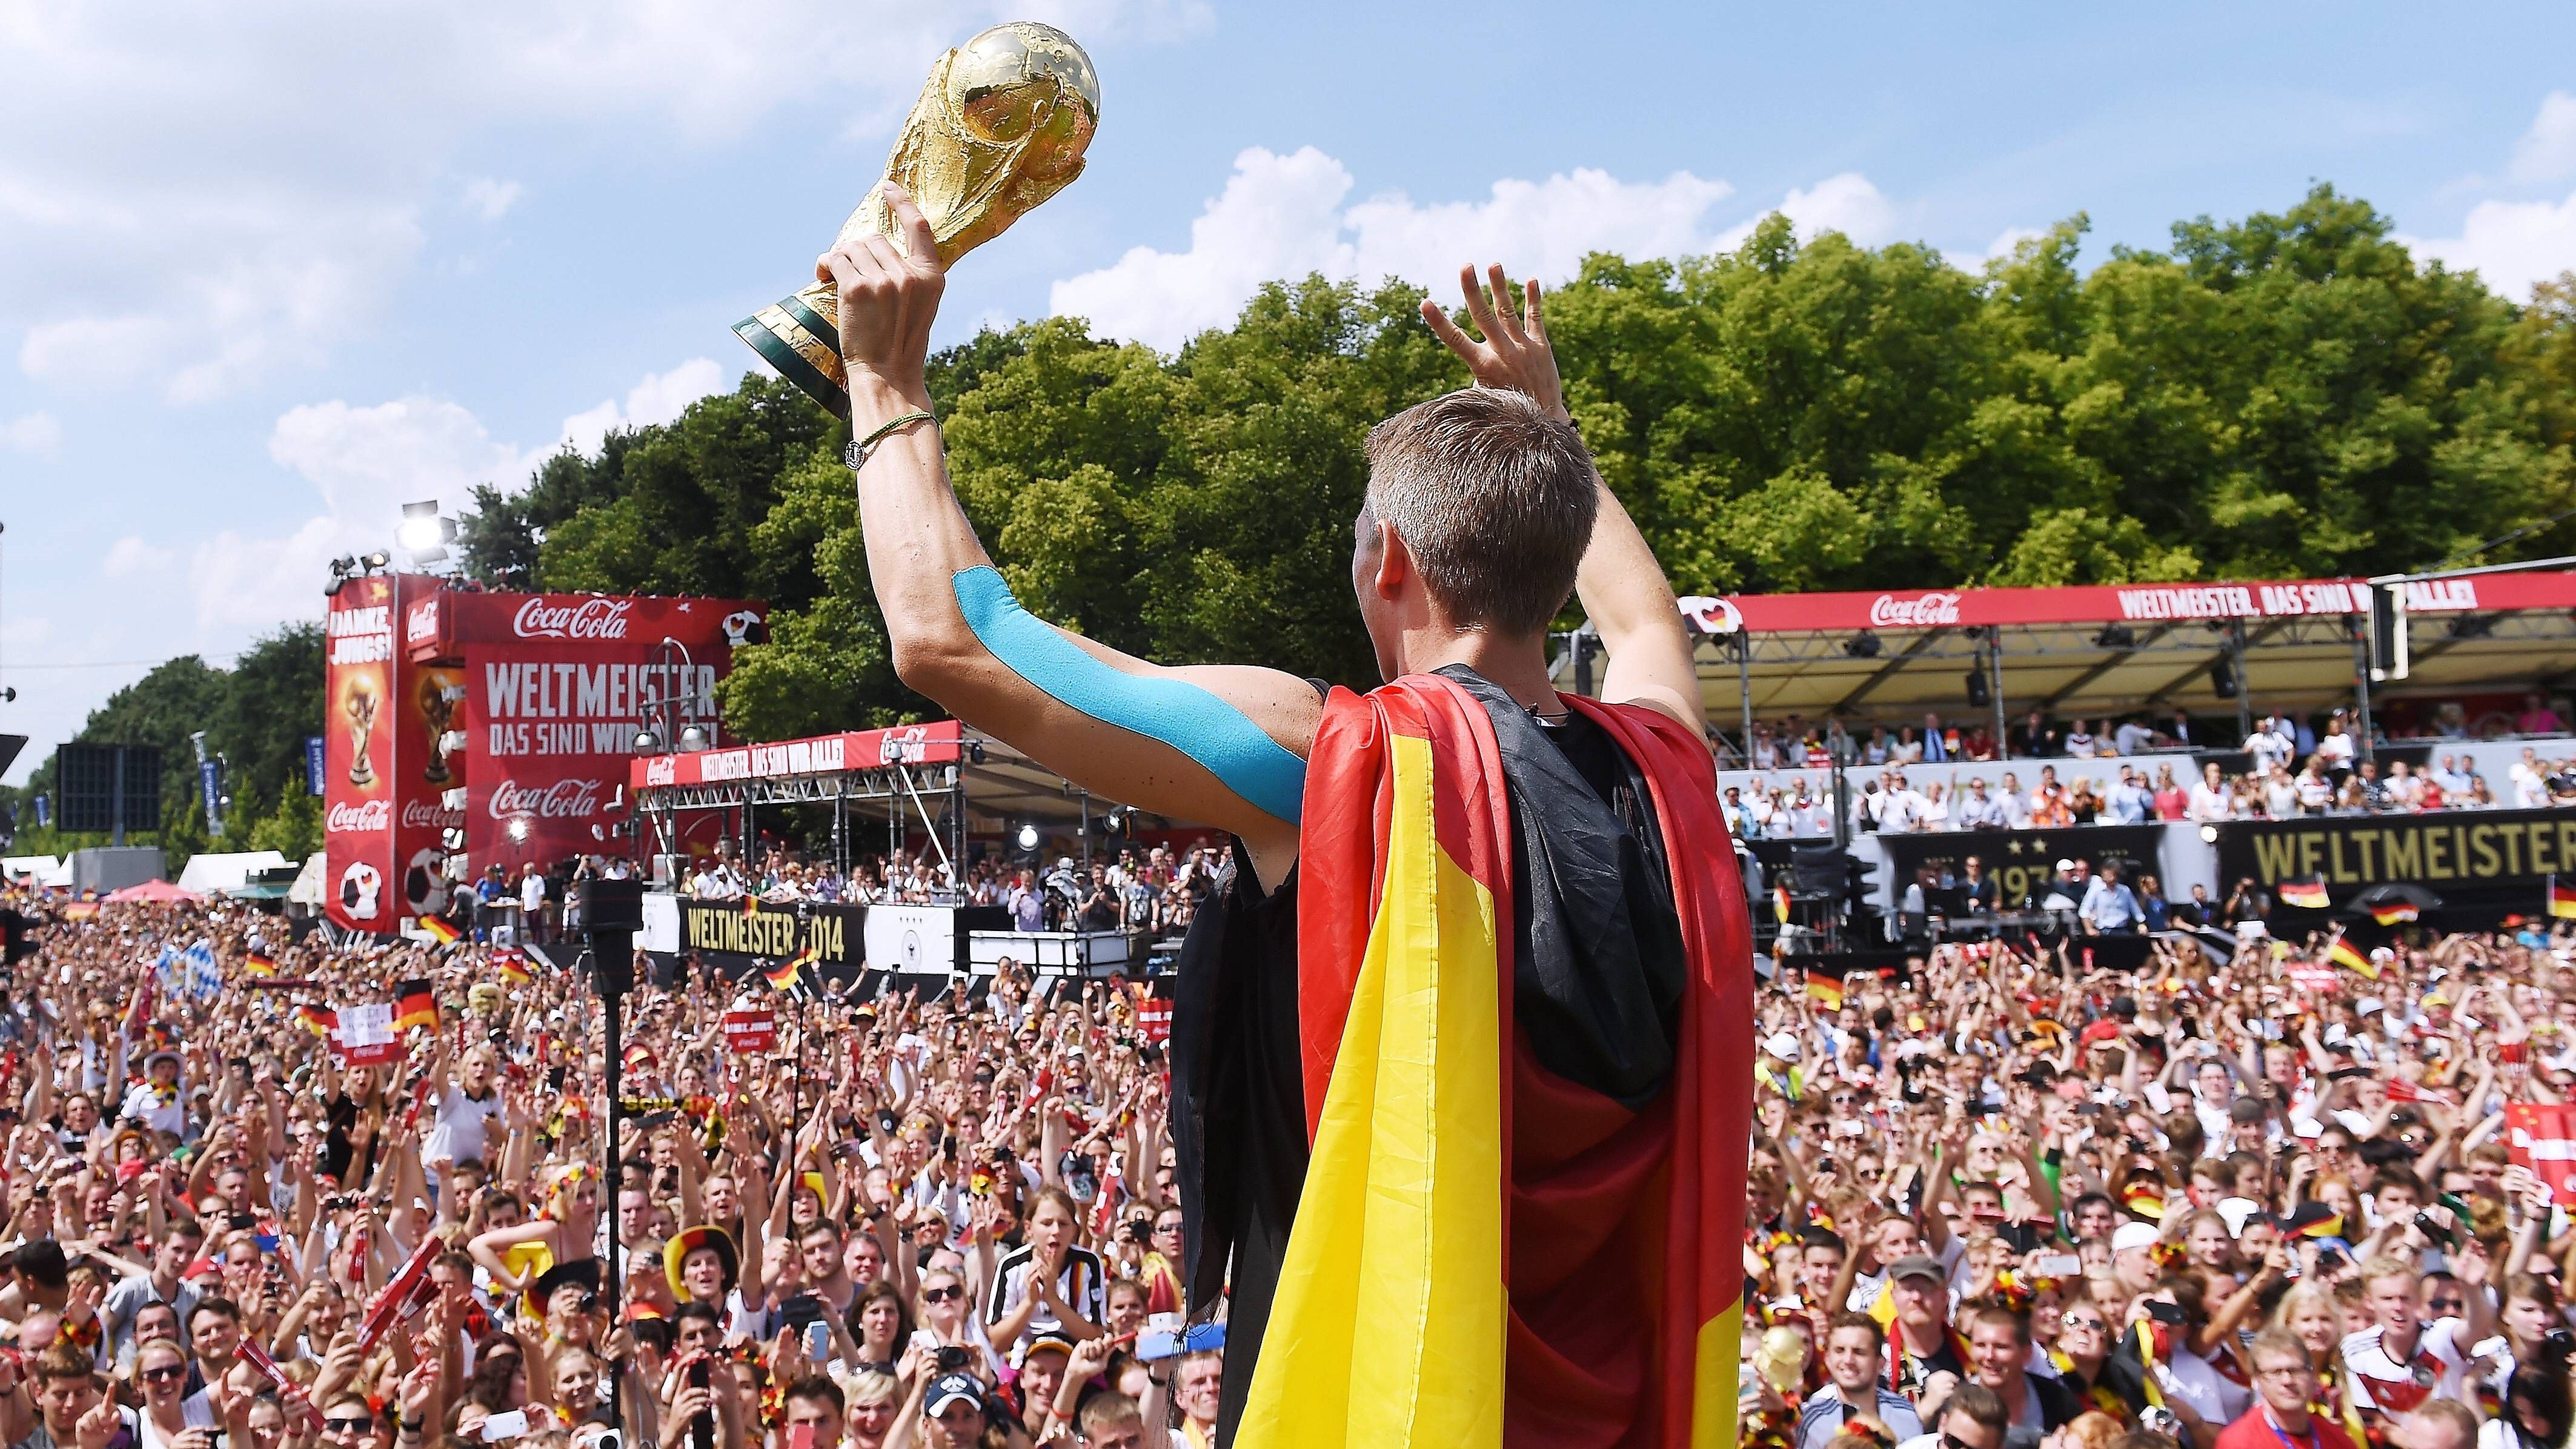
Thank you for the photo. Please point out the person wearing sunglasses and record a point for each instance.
(170, 1419)
(348, 1423)
(1971, 1418)
(2113, 1382)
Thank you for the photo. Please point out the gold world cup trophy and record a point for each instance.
(359, 700)
(1000, 127)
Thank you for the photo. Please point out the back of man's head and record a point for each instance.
(1495, 500)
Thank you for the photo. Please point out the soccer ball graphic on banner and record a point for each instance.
(361, 886)
(424, 883)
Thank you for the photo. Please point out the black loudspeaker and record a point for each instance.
(611, 905)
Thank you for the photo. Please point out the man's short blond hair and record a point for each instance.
(1494, 498)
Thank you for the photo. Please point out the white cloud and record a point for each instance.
(131, 557)
(659, 398)
(2511, 244)
(245, 187)
(1285, 216)
(2008, 241)
(368, 461)
(2548, 150)
(490, 199)
(1846, 202)
(36, 434)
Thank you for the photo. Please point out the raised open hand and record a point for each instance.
(1515, 354)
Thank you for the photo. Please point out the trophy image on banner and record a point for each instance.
(360, 698)
(1000, 127)
(437, 694)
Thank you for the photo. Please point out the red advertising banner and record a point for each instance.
(365, 1036)
(2114, 603)
(940, 742)
(751, 1030)
(359, 753)
(553, 688)
(1154, 1019)
(2543, 1139)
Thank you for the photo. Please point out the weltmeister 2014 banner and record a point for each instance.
(2498, 856)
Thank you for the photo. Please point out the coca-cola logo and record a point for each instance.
(901, 745)
(421, 622)
(661, 770)
(424, 815)
(588, 619)
(1922, 611)
(562, 800)
(343, 817)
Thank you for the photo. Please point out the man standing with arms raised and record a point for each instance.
(1474, 1012)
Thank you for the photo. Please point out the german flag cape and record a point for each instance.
(1395, 1318)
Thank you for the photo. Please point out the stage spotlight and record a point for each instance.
(374, 561)
(1980, 694)
(519, 828)
(424, 535)
(2222, 679)
(647, 743)
(2471, 626)
(2115, 636)
(693, 738)
(1863, 645)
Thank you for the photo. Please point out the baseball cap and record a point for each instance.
(953, 1389)
(1044, 1339)
(1916, 1265)
(1782, 1045)
(2131, 1236)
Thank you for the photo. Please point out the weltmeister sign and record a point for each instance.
(2448, 851)
(724, 928)
(2023, 863)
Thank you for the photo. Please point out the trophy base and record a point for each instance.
(801, 337)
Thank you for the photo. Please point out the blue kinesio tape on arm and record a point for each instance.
(1189, 719)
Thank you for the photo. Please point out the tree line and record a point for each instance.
(2287, 395)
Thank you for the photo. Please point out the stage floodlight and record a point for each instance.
(1863, 645)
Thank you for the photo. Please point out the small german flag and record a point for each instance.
(1824, 992)
(2394, 913)
(2145, 1197)
(2309, 894)
(2343, 953)
(2314, 1220)
(438, 929)
(782, 977)
(2562, 900)
(1780, 904)
(514, 965)
(319, 1020)
(750, 904)
(414, 1005)
(259, 963)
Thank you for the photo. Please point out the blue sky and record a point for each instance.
(273, 268)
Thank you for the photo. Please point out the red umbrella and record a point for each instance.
(154, 890)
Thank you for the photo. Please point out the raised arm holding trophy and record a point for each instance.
(1462, 1053)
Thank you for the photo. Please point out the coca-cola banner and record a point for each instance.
(554, 688)
(359, 752)
(2114, 603)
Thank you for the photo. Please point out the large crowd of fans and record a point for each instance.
(1998, 1200)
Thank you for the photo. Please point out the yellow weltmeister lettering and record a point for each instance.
(2512, 851)
(2311, 846)
(2276, 857)
(2367, 842)
(2482, 848)
(2405, 854)
(2437, 854)
(2335, 867)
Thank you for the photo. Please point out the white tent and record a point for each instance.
(14, 866)
(208, 874)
